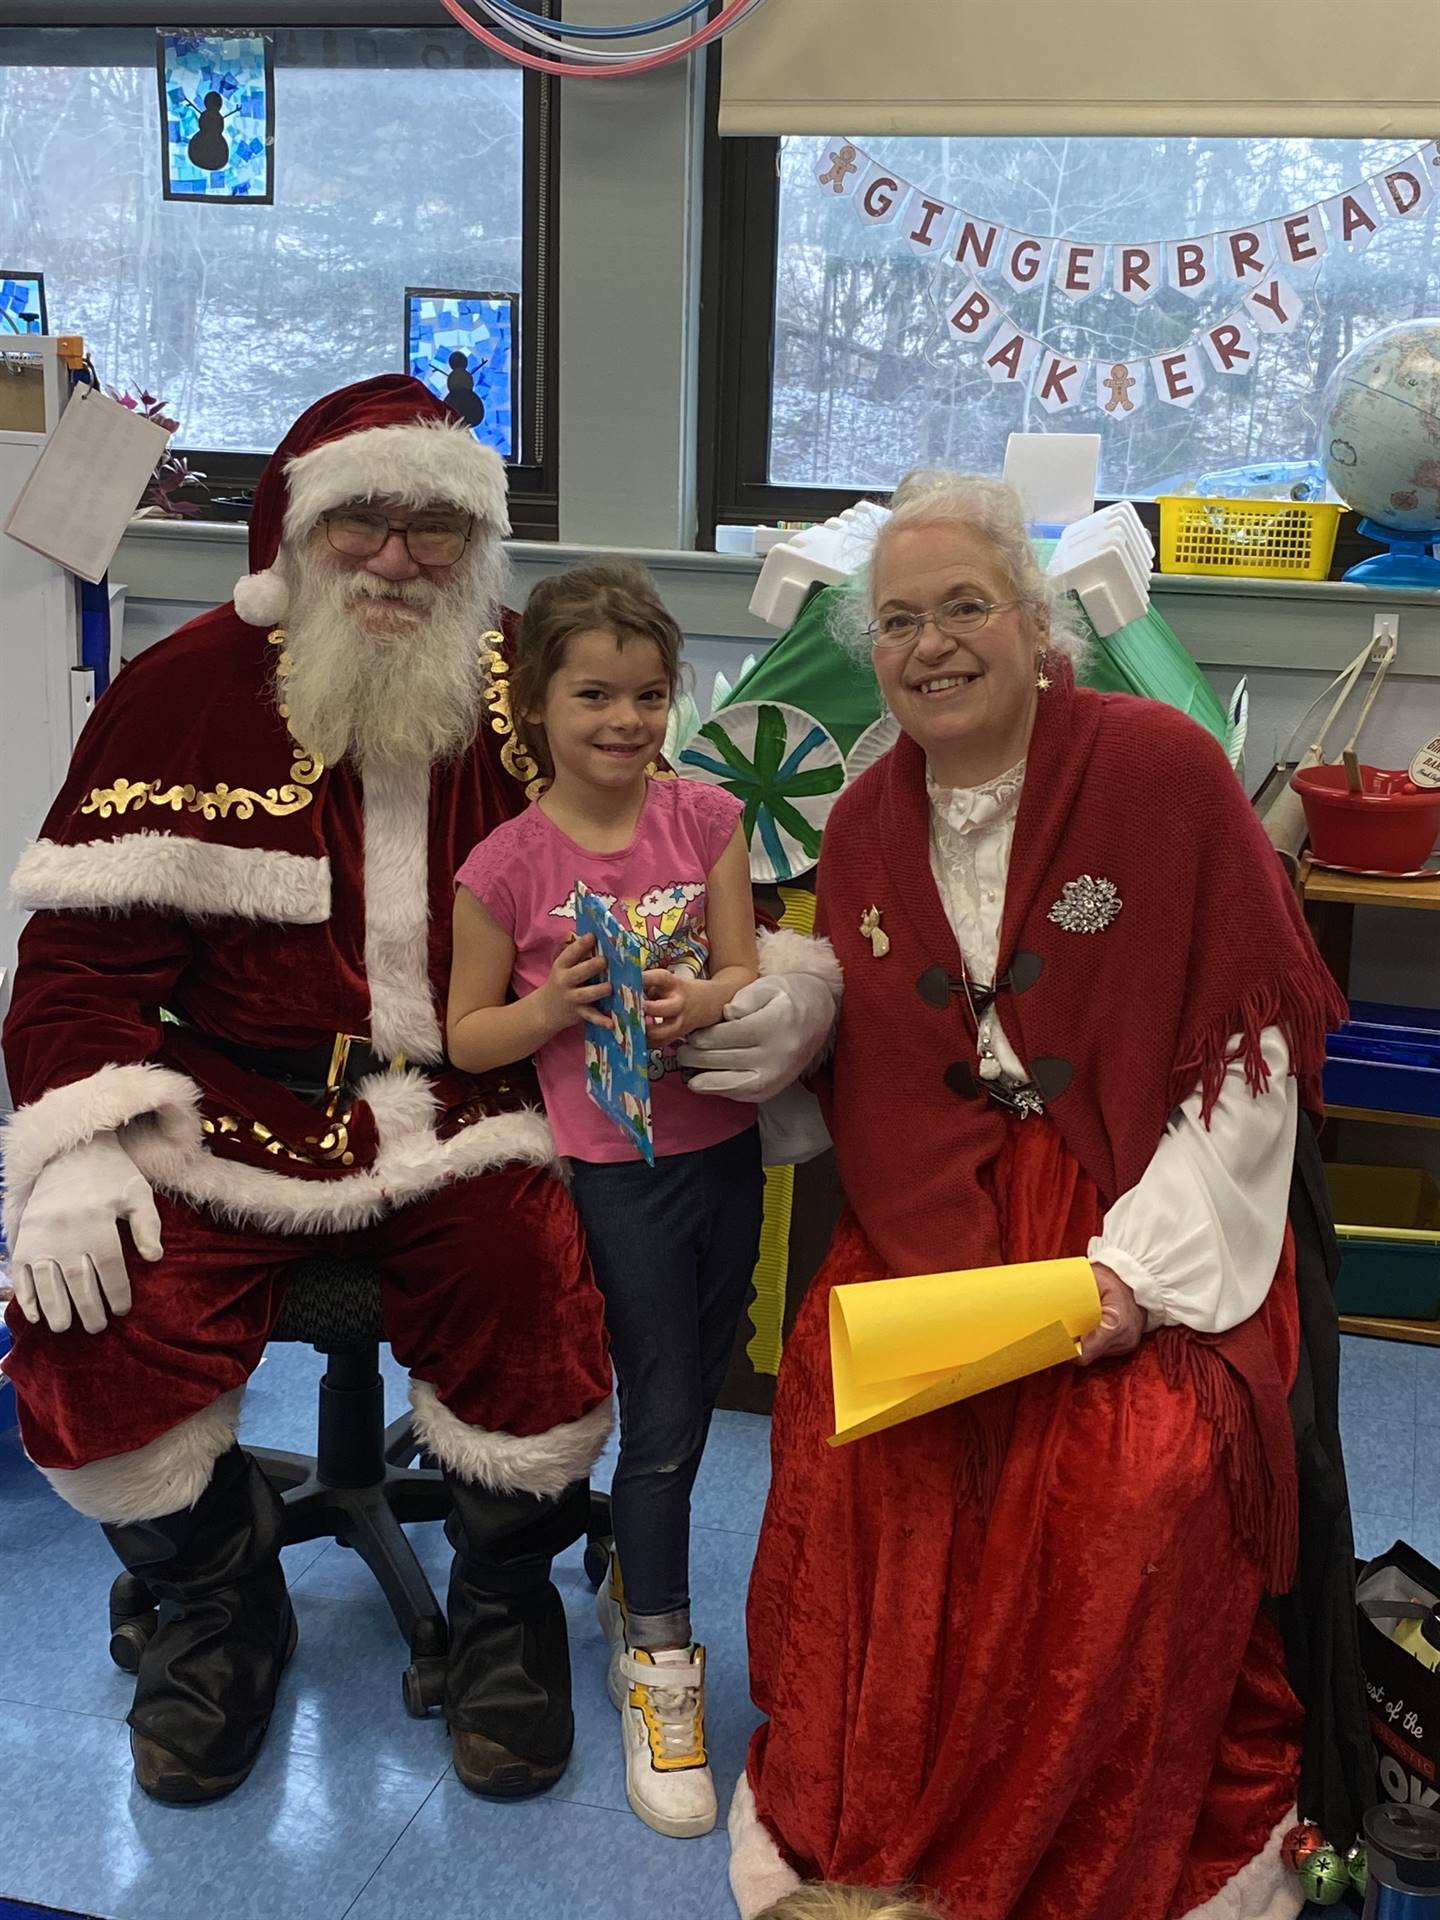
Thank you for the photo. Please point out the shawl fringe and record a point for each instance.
(1265, 1508)
(1305, 1007)
(989, 1423)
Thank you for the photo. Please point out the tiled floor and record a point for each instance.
(352, 1810)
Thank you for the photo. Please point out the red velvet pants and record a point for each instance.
(487, 1295)
(1038, 1685)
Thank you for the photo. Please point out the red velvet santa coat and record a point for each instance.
(199, 864)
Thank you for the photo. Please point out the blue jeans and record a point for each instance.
(674, 1249)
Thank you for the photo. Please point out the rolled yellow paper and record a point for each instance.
(903, 1347)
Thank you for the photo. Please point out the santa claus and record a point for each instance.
(226, 1043)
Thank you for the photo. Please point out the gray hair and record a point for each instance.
(931, 497)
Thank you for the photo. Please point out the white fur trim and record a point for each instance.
(262, 599)
(428, 461)
(410, 1162)
(1263, 1889)
(783, 950)
(758, 1875)
(71, 1116)
(168, 871)
(170, 1472)
(540, 1463)
(397, 914)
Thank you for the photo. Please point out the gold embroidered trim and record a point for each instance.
(221, 800)
(515, 757)
(329, 1147)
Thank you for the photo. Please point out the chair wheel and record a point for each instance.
(597, 1561)
(129, 1639)
(129, 1595)
(422, 1685)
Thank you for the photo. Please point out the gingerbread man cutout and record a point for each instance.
(842, 164)
(1118, 383)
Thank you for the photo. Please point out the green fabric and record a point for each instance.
(1146, 658)
(809, 669)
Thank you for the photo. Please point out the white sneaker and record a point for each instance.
(611, 1612)
(667, 1775)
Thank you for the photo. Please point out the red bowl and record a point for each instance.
(1381, 829)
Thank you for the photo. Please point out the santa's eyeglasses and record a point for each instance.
(432, 540)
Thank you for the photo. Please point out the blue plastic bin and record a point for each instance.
(1385, 1058)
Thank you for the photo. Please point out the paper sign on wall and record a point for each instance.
(86, 484)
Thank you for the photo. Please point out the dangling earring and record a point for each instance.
(1042, 679)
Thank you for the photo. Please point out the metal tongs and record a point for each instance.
(1347, 754)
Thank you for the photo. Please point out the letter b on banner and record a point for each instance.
(973, 314)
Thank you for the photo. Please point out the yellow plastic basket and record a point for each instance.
(1266, 539)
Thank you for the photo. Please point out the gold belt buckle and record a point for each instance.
(340, 1059)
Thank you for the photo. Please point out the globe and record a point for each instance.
(1380, 442)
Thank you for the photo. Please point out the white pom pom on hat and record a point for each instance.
(262, 598)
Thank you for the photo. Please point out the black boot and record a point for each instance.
(507, 1679)
(207, 1679)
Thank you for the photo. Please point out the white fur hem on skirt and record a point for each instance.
(758, 1875)
(1261, 1890)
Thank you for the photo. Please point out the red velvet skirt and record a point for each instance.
(1012, 1653)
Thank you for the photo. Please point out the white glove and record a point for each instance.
(67, 1260)
(772, 1031)
(792, 1129)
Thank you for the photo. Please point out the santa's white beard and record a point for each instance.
(389, 671)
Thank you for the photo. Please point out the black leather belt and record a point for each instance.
(313, 1074)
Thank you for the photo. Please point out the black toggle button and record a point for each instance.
(1025, 970)
(1050, 1076)
(934, 987)
(960, 1078)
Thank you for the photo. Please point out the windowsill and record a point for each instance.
(235, 533)
(1243, 623)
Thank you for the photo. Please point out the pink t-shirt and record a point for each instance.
(525, 873)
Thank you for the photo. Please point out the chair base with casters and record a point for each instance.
(360, 1487)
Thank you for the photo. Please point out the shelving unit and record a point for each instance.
(1330, 900)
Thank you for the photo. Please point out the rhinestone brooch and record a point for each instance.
(1086, 905)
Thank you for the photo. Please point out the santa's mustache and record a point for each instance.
(416, 593)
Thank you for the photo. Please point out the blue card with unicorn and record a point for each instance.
(617, 1057)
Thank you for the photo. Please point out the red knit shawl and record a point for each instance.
(1208, 943)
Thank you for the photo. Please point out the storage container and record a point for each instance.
(1387, 1220)
(1385, 1058)
(1264, 539)
(1381, 829)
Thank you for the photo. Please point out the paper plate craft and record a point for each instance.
(873, 745)
(784, 768)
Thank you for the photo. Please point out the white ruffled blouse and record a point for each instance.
(1197, 1239)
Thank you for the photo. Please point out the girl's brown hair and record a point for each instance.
(817, 1902)
(618, 596)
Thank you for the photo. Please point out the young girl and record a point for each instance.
(817, 1902)
(673, 1245)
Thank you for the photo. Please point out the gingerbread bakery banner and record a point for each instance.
(979, 265)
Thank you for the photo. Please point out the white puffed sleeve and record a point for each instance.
(1198, 1238)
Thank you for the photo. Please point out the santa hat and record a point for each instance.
(387, 438)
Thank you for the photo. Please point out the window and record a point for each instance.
(404, 158)
(863, 379)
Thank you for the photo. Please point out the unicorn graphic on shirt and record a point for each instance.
(670, 920)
